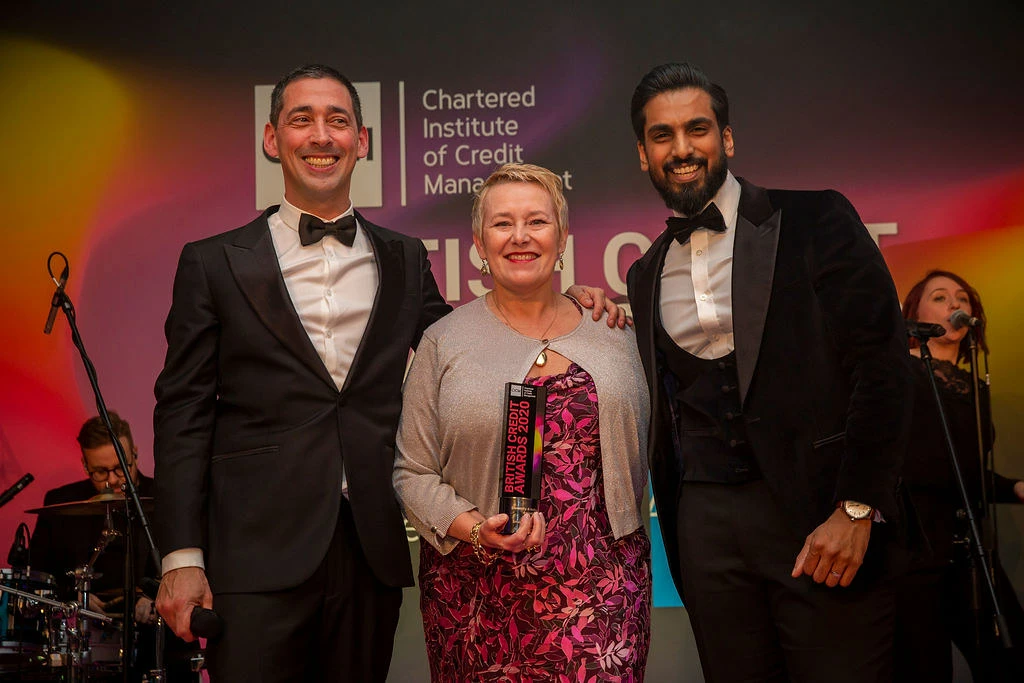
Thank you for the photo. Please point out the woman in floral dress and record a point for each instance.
(567, 596)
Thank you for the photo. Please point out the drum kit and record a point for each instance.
(44, 638)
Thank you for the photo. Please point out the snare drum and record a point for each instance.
(78, 649)
(23, 623)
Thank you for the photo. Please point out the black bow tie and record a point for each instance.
(312, 229)
(710, 218)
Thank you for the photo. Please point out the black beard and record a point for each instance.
(691, 198)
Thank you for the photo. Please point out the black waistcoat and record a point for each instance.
(704, 403)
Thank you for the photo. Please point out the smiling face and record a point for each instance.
(318, 142)
(520, 237)
(942, 296)
(683, 150)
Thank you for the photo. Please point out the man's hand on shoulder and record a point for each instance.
(180, 591)
(834, 551)
(594, 298)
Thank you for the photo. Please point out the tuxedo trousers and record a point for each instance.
(752, 621)
(338, 625)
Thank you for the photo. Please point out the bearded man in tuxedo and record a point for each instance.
(776, 359)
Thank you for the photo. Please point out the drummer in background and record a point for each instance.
(62, 542)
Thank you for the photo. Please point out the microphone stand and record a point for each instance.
(985, 459)
(133, 510)
(979, 559)
(984, 456)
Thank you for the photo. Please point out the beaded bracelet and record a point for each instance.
(487, 559)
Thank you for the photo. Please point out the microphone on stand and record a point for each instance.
(18, 556)
(15, 489)
(963, 319)
(924, 331)
(57, 296)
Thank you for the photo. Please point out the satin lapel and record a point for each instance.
(648, 286)
(253, 263)
(753, 268)
(390, 259)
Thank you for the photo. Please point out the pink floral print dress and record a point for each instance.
(579, 611)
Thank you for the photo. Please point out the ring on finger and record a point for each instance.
(835, 573)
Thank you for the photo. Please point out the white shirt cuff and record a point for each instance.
(184, 557)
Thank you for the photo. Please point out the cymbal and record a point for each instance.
(97, 505)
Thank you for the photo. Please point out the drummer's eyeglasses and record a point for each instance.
(103, 473)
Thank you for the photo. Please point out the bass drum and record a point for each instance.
(24, 627)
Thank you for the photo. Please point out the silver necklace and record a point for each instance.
(542, 357)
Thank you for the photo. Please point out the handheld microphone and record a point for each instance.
(924, 331)
(6, 496)
(963, 319)
(205, 623)
(55, 303)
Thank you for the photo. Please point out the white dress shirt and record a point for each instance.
(696, 283)
(332, 287)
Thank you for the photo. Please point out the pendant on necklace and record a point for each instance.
(542, 357)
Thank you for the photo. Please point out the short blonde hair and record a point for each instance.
(523, 173)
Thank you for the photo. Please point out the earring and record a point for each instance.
(485, 269)
(561, 263)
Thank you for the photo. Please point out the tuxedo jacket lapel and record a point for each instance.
(645, 301)
(390, 260)
(753, 270)
(254, 265)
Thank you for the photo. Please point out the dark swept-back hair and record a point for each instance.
(93, 433)
(676, 76)
(913, 301)
(312, 71)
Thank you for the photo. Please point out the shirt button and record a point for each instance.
(700, 252)
(328, 294)
(703, 297)
(329, 334)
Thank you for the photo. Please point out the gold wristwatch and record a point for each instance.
(856, 511)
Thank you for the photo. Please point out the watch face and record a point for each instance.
(856, 510)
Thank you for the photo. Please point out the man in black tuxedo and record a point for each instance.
(775, 355)
(277, 409)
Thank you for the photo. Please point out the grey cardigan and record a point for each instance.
(448, 459)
